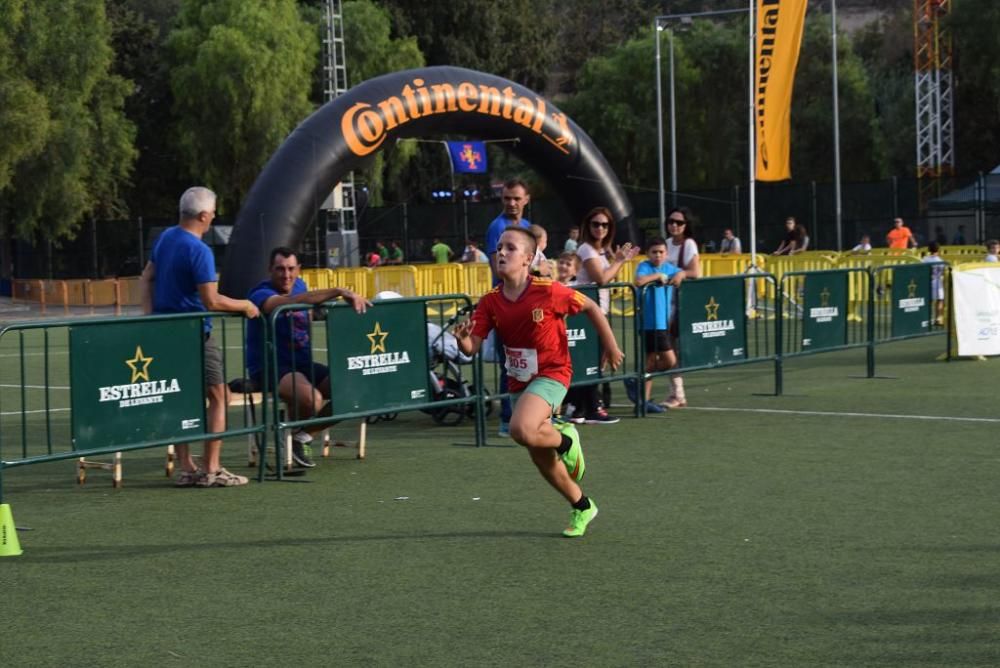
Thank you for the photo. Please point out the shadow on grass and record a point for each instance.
(60, 554)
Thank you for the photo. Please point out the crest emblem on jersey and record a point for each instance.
(537, 315)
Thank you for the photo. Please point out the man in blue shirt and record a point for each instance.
(180, 277)
(515, 197)
(303, 384)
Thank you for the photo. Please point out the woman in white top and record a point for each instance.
(682, 252)
(599, 264)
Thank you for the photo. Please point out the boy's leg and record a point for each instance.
(530, 426)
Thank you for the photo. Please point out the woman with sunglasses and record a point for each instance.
(682, 251)
(600, 263)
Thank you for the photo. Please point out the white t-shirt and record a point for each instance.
(674, 252)
(992, 258)
(585, 251)
(861, 248)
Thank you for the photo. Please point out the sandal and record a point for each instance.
(674, 402)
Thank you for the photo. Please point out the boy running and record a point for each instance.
(662, 276)
(529, 314)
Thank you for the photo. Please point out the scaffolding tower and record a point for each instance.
(341, 203)
(934, 100)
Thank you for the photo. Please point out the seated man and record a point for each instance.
(296, 371)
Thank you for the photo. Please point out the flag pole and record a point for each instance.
(752, 189)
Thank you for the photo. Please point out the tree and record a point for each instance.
(240, 79)
(77, 148)
(974, 27)
(509, 38)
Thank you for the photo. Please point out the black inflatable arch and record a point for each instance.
(344, 133)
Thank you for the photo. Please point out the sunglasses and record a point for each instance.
(595, 223)
(674, 221)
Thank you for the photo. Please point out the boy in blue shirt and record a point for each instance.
(662, 277)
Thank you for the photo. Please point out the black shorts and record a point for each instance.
(657, 340)
(316, 375)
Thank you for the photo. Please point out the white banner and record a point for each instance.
(977, 310)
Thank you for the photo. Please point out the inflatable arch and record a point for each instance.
(344, 133)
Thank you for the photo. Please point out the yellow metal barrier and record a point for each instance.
(478, 279)
(317, 279)
(717, 264)
(439, 279)
(402, 279)
(356, 279)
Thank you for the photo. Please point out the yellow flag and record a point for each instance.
(779, 36)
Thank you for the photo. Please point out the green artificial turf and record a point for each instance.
(725, 538)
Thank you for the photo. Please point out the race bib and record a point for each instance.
(522, 363)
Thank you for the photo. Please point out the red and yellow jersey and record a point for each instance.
(532, 328)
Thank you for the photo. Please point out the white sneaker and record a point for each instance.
(302, 436)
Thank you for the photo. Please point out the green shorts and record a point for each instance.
(551, 390)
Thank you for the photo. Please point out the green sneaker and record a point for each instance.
(573, 459)
(579, 519)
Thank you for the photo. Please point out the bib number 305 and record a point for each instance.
(522, 363)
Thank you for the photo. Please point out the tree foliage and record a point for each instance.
(240, 76)
(67, 145)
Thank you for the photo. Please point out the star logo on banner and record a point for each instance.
(824, 297)
(377, 337)
(711, 309)
(139, 365)
(912, 289)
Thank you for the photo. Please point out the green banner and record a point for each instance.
(136, 382)
(911, 299)
(584, 347)
(825, 311)
(712, 321)
(378, 359)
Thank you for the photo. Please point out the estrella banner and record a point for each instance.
(779, 36)
(977, 310)
(468, 157)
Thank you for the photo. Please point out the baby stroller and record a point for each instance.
(446, 380)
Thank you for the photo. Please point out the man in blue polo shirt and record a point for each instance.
(180, 278)
(303, 384)
(515, 197)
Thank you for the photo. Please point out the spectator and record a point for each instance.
(515, 198)
(937, 280)
(864, 246)
(372, 259)
(567, 268)
(992, 251)
(395, 253)
(180, 277)
(661, 276)
(539, 264)
(303, 385)
(900, 236)
(441, 251)
(803, 244)
(791, 240)
(959, 238)
(573, 242)
(473, 253)
(383, 252)
(682, 252)
(600, 264)
(730, 242)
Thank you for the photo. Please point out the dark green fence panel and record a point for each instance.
(911, 300)
(378, 360)
(131, 382)
(712, 321)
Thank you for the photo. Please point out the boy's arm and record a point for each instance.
(677, 278)
(646, 279)
(611, 354)
(468, 342)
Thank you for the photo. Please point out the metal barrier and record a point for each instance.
(380, 364)
(907, 301)
(95, 386)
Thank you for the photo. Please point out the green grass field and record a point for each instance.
(850, 522)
